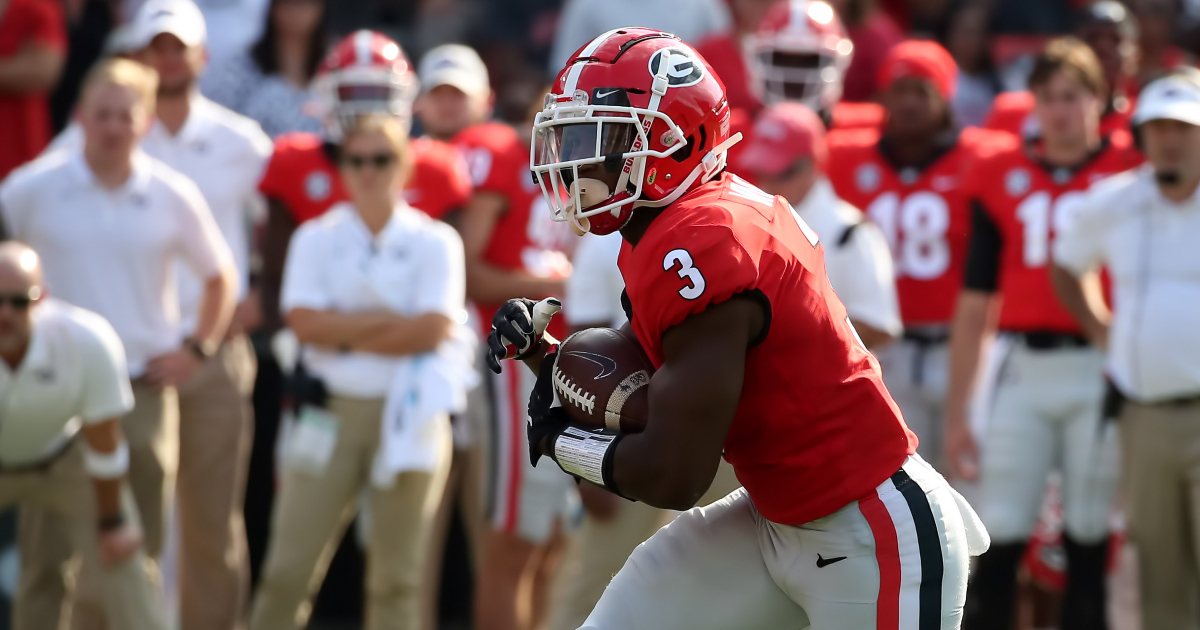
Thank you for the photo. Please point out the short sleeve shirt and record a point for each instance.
(73, 373)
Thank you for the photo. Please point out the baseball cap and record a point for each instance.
(783, 134)
(1173, 97)
(181, 18)
(1110, 13)
(455, 65)
(923, 60)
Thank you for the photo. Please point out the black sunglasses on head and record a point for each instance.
(378, 160)
(20, 301)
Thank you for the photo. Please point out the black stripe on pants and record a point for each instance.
(930, 545)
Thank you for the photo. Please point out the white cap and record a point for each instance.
(1172, 97)
(455, 65)
(181, 18)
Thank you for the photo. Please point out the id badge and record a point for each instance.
(313, 439)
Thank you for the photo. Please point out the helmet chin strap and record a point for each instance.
(712, 164)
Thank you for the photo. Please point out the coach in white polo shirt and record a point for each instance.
(110, 224)
(1144, 225)
(63, 390)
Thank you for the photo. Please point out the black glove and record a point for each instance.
(545, 421)
(517, 327)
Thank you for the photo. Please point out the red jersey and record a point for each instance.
(525, 238)
(815, 428)
(1013, 112)
(303, 176)
(1020, 202)
(25, 117)
(923, 212)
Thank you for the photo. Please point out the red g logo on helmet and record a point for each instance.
(640, 104)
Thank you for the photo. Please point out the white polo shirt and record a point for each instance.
(414, 266)
(1149, 245)
(595, 285)
(73, 373)
(224, 153)
(859, 264)
(114, 251)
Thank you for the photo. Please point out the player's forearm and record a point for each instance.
(276, 237)
(408, 335)
(487, 284)
(337, 330)
(1083, 298)
(34, 69)
(104, 439)
(216, 306)
(974, 324)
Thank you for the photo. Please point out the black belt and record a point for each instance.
(1051, 340)
(41, 465)
(927, 337)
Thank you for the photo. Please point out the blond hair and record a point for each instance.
(393, 129)
(140, 79)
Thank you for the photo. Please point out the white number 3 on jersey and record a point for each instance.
(695, 280)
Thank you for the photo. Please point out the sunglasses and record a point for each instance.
(20, 301)
(378, 160)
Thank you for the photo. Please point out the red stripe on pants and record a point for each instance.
(516, 417)
(887, 554)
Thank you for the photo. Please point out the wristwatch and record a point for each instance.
(203, 351)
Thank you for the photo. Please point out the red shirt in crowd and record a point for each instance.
(724, 54)
(303, 176)
(872, 40)
(1023, 202)
(25, 117)
(1013, 112)
(525, 238)
(923, 212)
(815, 428)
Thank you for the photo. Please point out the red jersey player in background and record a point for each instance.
(756, 359)
(512, 248)
(364, 73)
(907, 180)
(798, 52)
(1039, 402)
(1110, 30)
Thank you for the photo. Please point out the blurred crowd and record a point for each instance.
(306, 428)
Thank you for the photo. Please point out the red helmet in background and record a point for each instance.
(641, 103)
(365, 73)
(799, 53)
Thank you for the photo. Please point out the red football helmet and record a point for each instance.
(641, 103)
(800, 53)
(365, 73)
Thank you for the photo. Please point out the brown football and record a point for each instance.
(602, 378)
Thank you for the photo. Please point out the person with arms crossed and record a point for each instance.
(512, 248)
(1040, 394)
(65, 387)
(907, 179)
(111, 224)
(840, 524)
(374, 289)
(787, 155)
(1140, 226)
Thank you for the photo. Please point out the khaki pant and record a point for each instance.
(1161, 459)
(152, 431)
(215, 433)
(127, 594)
(600, 549)
(312, 512)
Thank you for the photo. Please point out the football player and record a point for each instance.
(366, 72)
(799, 52)
(1111, 31)
(512, 248)
(840, 525)
(1040, 397)
(907, 181)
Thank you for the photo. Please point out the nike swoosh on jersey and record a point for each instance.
(822, 562)
(607, 366)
